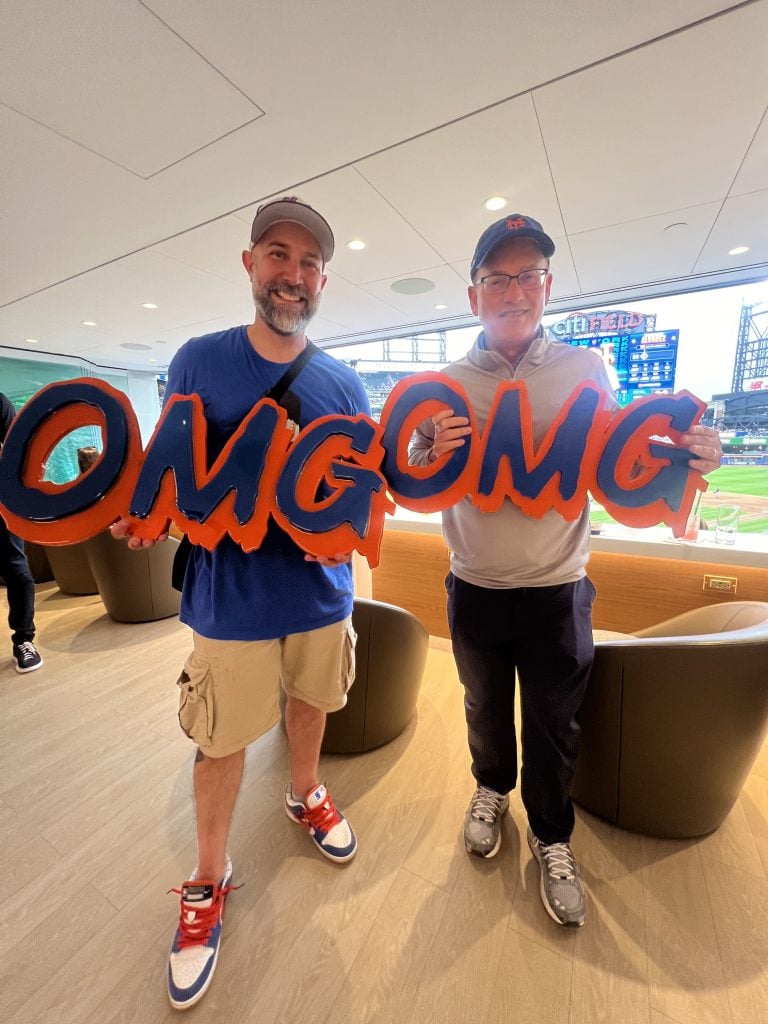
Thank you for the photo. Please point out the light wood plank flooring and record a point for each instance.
(96, 819)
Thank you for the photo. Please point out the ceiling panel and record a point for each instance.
(743, 220)
(113, 294)
(449, 289)
(321, 327)
(607, 153)
(356, 210)
(440, 181)
(119, 59)
(112, 297)
(164, 344)
(63, 210)
(214, 248)
(410, 64)
(753, 173)
(661, 128)
(354, 309)
(651, 249)
(565, 279)
(340, 81)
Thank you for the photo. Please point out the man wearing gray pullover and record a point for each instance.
(519, 599)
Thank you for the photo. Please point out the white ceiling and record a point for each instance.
(138, 138)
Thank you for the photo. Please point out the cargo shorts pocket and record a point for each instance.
(348, 658)
(196, 713)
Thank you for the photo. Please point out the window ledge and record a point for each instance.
(655, 542)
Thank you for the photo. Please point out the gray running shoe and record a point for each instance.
(561, 891)
(482, 822)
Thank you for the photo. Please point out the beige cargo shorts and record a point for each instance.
(229, 689)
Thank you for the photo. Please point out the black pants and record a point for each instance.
(545, 633)
(20, 586)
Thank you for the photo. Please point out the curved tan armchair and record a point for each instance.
(70, 567)
(390, 656)
(673, 720)
(39, 565)
(135, 586)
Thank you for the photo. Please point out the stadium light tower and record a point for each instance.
(750, 365)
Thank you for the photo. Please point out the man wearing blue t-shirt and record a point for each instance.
(275, 615)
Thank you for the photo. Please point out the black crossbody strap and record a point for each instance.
(276, 392)
(293, 371)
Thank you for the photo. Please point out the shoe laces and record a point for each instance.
(196, 923)
(323, 817)
(26, 649)
(559, 860)
(486, 803)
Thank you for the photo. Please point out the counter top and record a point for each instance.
(654, 542)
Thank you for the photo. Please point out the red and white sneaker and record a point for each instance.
(195, 949)
(329, 829)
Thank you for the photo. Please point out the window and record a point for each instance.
(712, 343)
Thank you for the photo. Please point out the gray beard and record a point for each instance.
(282, 320)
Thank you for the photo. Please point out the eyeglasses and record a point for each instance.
(529, 281)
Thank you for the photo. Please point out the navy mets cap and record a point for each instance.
(516, 225)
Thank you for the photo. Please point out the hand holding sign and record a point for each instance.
(327, 488)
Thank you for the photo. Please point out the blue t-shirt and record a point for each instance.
(271, 592)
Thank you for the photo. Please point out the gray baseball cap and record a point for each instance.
(293, 209)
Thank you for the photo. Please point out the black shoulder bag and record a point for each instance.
(277, 394)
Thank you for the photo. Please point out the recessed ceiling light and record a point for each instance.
(356, 244)
(495, 203)
(679, 225)
(441, 305)
(412, 285)
(738, 250)
(152, 359)
(30, 341)
(136, 346)
(88, 323)
(148, 305)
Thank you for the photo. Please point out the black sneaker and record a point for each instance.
(26, 656)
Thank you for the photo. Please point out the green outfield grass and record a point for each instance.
(741, 480)
(735, 480)
(756, 525)
(730, 480)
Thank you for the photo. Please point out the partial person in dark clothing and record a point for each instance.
(20, 587)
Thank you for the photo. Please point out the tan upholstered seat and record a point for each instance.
(673, 720)
(69, 562)
(135, 586)
(71, 568)
(39, 565)
(390, 656)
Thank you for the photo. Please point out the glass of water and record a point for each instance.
(727, 524)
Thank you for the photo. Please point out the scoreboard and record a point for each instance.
(637, 364)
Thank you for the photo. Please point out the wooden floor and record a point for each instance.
(96, 819)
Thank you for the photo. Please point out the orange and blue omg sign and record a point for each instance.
(330, 487)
